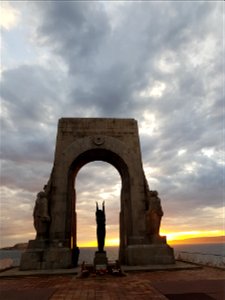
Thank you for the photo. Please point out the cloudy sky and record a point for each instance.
(158, 62)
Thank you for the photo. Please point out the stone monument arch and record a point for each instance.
(114, 159)
(116, 141)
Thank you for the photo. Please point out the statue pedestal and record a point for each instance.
(39, 256)
(155, 254)
(100, 260)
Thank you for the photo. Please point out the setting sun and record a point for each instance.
(179, 236)
(108, 243)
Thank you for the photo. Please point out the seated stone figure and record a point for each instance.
(41, 216)
(154, 214)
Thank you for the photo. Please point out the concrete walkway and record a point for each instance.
(195, 289)
(203, 283)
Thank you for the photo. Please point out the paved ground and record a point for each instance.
(193, 284)
(13, 272)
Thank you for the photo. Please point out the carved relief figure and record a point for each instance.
(154, 213)
(41, 216)
(100, 219)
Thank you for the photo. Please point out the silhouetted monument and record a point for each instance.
(100, 258)
(100, 219)
(80, 141)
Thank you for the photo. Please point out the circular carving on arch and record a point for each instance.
(98, 140)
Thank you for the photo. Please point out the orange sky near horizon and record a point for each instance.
(172, 237)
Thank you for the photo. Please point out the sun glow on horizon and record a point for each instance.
(171, 237)
(179, 236)
(108, 243)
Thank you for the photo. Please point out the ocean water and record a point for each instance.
(87, 254)
(214, 249)
(15, 255)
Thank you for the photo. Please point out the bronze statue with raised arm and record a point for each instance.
(100, 219)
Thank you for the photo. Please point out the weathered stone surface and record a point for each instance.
(51, 258)
(116, 141)
(31, 260)
(37, 244)
(100, 258)
(57, 258)
(138, 255)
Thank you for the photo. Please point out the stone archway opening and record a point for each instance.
(97, 181)
(107, 156)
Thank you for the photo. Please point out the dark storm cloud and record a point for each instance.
(28, 123)
(104, 69)
(74, 30)
(28, 93)
(27, 130)
(26, 175)
(113, 63)
(18, 148)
